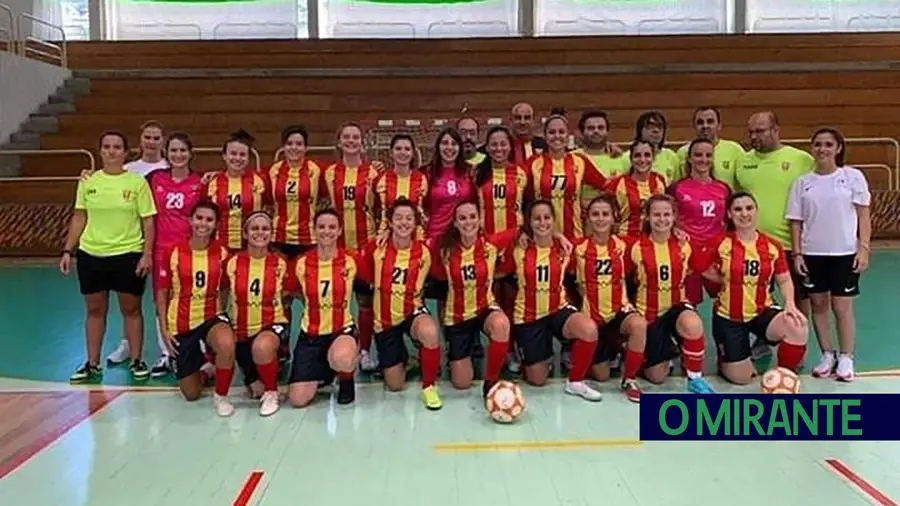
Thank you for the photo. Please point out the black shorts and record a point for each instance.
(190, 356)
(109, 274)
(311, 356)
(535, 339)
(733, 338)
(463, 337)
(243, 350)
(435, 289)
(801, 283)
(391, 346)
(363, 289)
(610, 338)
(291, 251)
(663, 341)
(832, 274)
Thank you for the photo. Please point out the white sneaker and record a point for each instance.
(121, 354)
(366, 362)
(513, 363)
(223, 405)
(269, 404)
(161, 367)
(583, 390)
(844, 370)
(825, 366)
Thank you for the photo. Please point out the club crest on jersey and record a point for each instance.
(785, 166)
(127, 195)
(726, 165)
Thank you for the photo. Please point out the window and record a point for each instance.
(632, 17)
(822, 16)
(210, 19)
(75, 19)
(417, 19)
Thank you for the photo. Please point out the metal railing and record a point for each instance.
(8, 34)
(92, 163)
(31, 46)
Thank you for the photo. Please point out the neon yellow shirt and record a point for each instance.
(114, 206)
(665, 164)
(769, 177)
(608, 166)
(476, 158)
(726, 156)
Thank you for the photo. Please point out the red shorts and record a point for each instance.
(159, 264)
(693, 288)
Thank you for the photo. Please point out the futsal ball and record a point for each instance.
(505, 402)
(779, 381)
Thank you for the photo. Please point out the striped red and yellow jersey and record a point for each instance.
(193, 279)
(660, 269)
(600, 274)
(236, 197)
(390, 186)
(470, 275)
(257, 286)
(560, 182)
(540, 272)
(630, 196)
(293, 193)
(352, 193)
(398, 276)
(747, 270)
(326, 287)
(501, 198)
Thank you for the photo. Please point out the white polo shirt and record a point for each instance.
(826, 204)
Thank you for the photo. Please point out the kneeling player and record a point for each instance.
(189, 310)
(598, 263)
(397, 273)
(256, 279)
(323, 280)
(661, 264)
(745, 261)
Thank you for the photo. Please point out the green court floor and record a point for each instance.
(42, 337)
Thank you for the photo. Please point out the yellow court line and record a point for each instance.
(498, 446)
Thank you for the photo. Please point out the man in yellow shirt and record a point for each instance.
(594, 129)
(768, 171)
(726, 154)
(468, 128)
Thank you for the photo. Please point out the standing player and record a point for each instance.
(175, 192)
(189, 308)
(152, 155)
(401, 180)
(349, 186)
(746, 262)
(660, 264)
(768, 172)
(112, 227)
(542, 312)
(236, 191)
(726, 155)
(831, 230)
(651, 127)
(598, 263)
(256, 279)
(560, 176)
(700, 198)
(323, 280)
(396, 271)
(634, 188)
(467, 262)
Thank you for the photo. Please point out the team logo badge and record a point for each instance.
(786, 166)
(726, 165)
(127, 195)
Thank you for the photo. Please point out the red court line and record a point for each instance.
(25, 454)
(843, 470)
(243, 499)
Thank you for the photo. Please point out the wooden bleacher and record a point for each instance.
(809, 80)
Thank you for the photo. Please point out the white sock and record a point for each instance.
(160, 341)
(694, 374)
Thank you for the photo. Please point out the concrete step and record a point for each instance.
(63, 95)
(10, 166)
(79, 85)
(30, 138)
(20, 146)
(41, 124)
(55, 109)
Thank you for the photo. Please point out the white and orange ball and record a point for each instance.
(505, 402)
(779, 381)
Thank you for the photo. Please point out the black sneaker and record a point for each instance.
(139, 369)
(86, 372)
(346, 391)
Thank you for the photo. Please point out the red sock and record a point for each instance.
(366, 327)
(692, 354)
(223, 380)
(344, 376)
(268, 375)
(430, 363)
(790, 355)
(495, 359)
(582, 358)
(633, 362)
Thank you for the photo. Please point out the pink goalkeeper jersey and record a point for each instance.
(443, 196)
(701, 207)
(174, 201)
